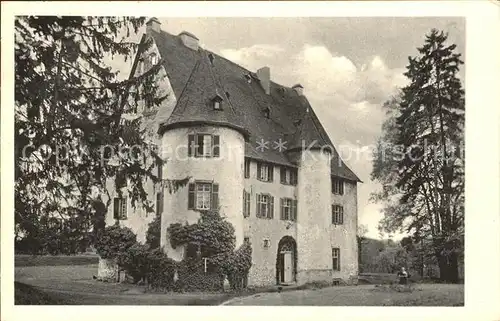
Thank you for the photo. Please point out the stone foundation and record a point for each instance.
(307, 276)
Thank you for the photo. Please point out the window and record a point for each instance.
(203, 196)
(337, 186)
(265, 172)
(217, 102)
(246, 239)
(267, 112)
(336, 259)
(140, 66)
(288, 176)
(288, 209)
(154, 59)
(246, 203)
(265, 206)
(247, 168)
(159, 168)
(337, 214)
(203, 145)
(121, 180)
(266, 243)
(159, 203)
(120, 208)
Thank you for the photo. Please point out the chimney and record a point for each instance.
(264, 75)
(189, 40)
(153, 25)
(298, 89)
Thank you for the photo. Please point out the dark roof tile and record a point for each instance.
(195, 81)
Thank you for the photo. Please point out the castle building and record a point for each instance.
(254, 150)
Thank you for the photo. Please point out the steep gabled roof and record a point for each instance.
(195, 80)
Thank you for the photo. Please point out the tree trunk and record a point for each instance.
(448, 268)
(108, 270)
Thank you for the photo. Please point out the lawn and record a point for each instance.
(362, 295)
(55, 260)
(69, 280)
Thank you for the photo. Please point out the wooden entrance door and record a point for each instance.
(288, 267)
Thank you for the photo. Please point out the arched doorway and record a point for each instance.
(286, 261)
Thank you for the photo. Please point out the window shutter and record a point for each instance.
(282, 175)
(341, 182)
(216, 147)
(333, 214)
(124, 208)
(282, 207)
(161, 202)
(244, 203)
(160, 170)
(270, 169)
(338, 259)
(259, 168)
(215, 196)
(294, 209)
(247, 168)
(191, 144)
(116, 208)
(271, 206)
(294, 176)
(341, 215)
(191, 196)
(257, 208)
(199, 151)
(158, 200)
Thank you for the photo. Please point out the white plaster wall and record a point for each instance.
(314, 219)
(263, 270)
(137, 219)
(153, 118)
(344, 236)
(226, 170)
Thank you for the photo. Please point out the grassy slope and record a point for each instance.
(46, 280)
(55, 260)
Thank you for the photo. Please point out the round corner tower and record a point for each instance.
(213, 158)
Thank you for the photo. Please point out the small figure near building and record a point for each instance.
(403, 276)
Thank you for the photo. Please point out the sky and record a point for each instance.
(348, 67)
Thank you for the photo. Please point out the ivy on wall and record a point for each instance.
(214, 239)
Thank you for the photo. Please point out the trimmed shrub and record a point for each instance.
(135, 261)
(192, 277)
(213, 238)
(161, 270)
(115, 240)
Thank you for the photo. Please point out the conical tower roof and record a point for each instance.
(195, 105)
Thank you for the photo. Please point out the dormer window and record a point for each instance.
(211, 58)
(140, 66)
(154, 59)
(267, 112)
(248, 78)
(217, 102)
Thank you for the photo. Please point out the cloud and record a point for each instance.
(325, 74)
(347, 98)
(252, 57)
